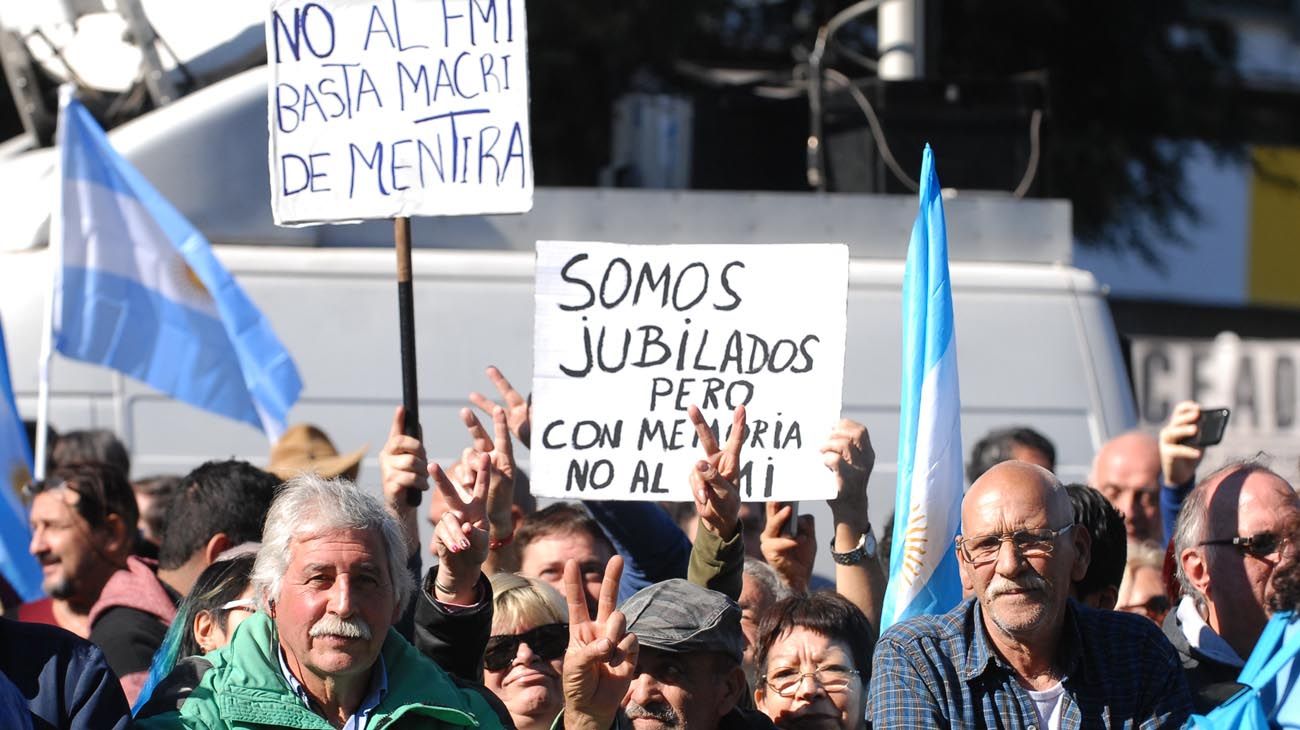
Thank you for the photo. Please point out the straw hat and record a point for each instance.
(305, 448)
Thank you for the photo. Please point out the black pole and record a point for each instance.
(406, 324)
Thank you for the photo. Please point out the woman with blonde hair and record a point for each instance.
(525, 653)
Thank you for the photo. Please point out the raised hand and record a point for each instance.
(1178, 461)
(791, 557)
(501, 460)
(600, 662)
(849, 455)
(460, 536)
(713, 480)
(518, 409)
(402, 465)
(726, 458)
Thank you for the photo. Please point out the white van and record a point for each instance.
(1036, 345)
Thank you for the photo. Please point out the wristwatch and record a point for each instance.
(866, 549)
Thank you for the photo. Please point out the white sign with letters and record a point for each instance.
(627, 338)
(386, 108)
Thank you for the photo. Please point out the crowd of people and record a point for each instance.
(236, 597)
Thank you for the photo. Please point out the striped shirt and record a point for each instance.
(1118, 671)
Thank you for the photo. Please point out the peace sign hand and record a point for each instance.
(600, 662)
(460, 537)
(518, 409)
(713, 480)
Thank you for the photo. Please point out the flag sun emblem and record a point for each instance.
(914, 544)
(196, 287)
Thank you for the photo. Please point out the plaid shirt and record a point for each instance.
(1119, 671)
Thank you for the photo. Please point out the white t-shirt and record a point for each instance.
(1047, 705)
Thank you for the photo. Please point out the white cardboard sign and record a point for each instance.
(626, 338)
(385, 108)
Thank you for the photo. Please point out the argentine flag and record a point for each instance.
(140, 291)
(923, 577)
(18, 566)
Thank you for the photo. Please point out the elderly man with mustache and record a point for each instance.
(1020, 653)
(331, 580)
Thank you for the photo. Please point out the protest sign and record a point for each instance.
(395, 108)
(627, 338)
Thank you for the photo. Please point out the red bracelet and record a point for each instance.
(497, 544)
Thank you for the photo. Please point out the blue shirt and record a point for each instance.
(1279, 696)
(374, 694)
(1118, 669)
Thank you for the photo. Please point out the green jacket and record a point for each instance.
(717, 565)
(244, 688)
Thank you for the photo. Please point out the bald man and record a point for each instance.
(1232, 532)
(1127, 471)
(1020, 653)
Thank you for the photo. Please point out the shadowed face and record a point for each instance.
(1240, 581)
(1143, 593)
(674, 691)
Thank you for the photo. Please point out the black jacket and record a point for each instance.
(456, 640)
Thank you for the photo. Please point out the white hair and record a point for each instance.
(309, 505)
(767, 577)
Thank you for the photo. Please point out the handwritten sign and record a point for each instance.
(627, 338)
(397, 108)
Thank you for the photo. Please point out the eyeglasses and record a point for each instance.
(785, 682)
(1155, 608)
(1259, 545)
(547, 642)
(983, 549)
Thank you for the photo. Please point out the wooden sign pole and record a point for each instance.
(406, 325)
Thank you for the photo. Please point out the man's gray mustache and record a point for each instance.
(661, 712)
(1028, 583)
(351, 628)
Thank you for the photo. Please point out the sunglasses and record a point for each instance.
(1155, 608)
(1259, 545)
(547, 642)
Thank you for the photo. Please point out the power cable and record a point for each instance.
(1035, 145)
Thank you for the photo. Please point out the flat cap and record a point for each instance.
(681, 617)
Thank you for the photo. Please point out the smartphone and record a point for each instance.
(1210, 427)
(792, 527)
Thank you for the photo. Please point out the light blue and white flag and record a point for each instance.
(19, 567)
(140, 291)
(923, 577)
